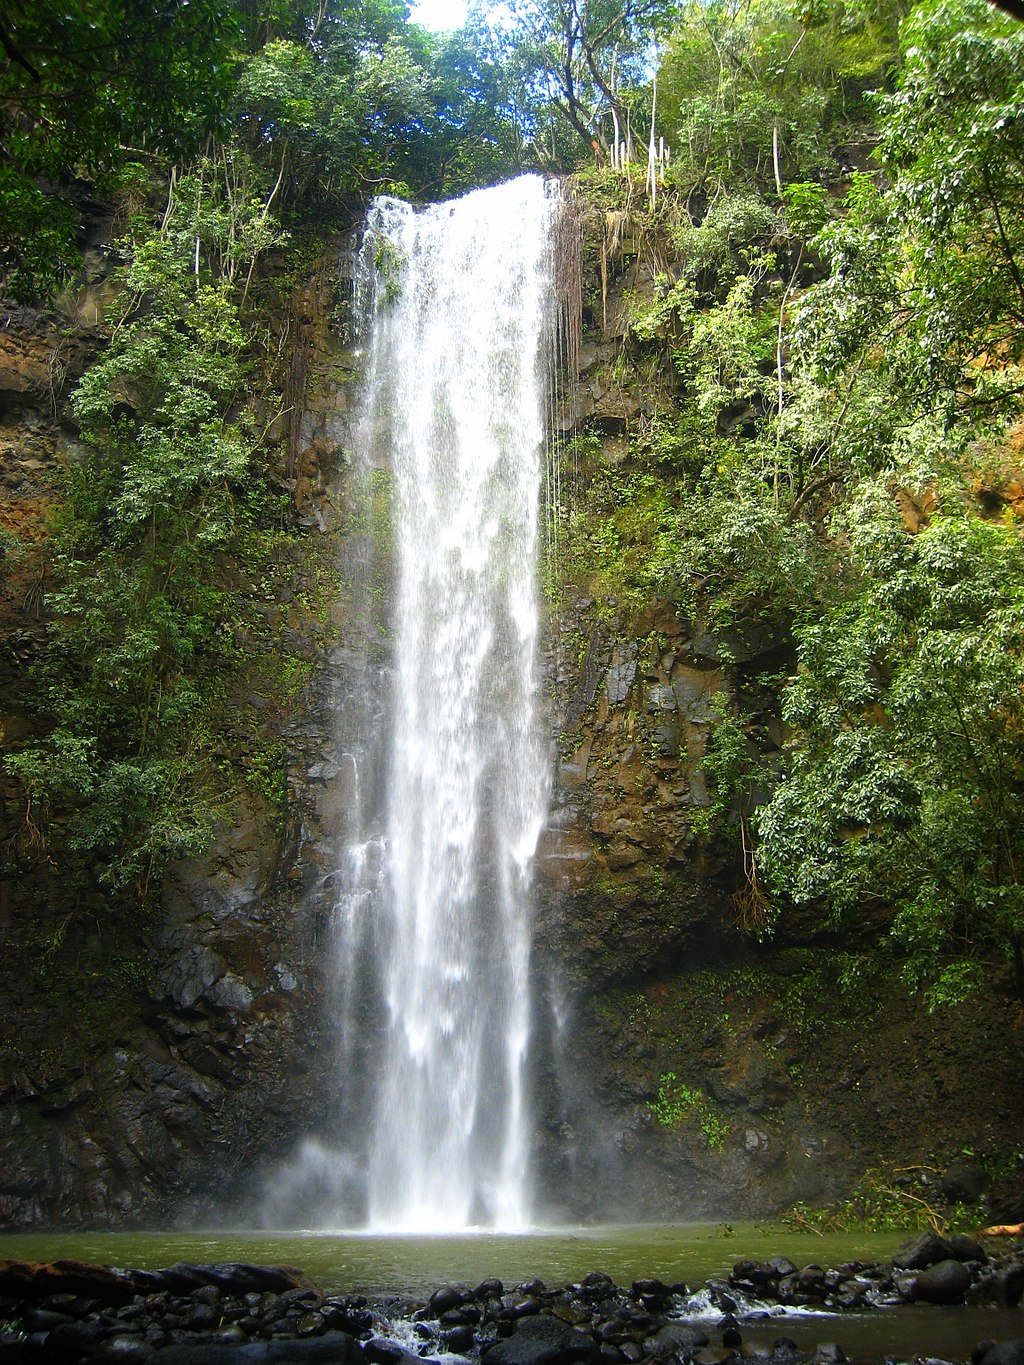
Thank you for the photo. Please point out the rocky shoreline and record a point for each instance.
(75, 1313)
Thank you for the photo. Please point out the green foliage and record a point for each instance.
(750, 91)
(952, 137)
(369, 103)
(732, 229)
(677, 1103)
(77, 84)
(727, 763)
(389, 263)
(370, 509)
(138, 635)
(575, 73)
(808, 207)
(617, 541)
(741, 556)
(882, 1201)
(766, 404)
(740, 541)
(716, 502)
(904, 785)
(929, 270)
(806, 418)
(265, 769)
(729, 348)
(318, 107)
(221, 207)
(38, 236)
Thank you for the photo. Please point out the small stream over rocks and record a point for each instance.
(939, 1299)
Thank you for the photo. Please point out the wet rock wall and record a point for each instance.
(154, 1058)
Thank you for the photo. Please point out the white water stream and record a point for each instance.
(457, 302)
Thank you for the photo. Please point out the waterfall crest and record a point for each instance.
(457, 315)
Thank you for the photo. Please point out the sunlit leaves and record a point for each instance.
(80, 82)
(906, 783)
(372, 102)
(580, 66)
(148, 506)
(926, 275)
(744, 87)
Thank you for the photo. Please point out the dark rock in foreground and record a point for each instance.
(33, 1279)
(69, 1312)
(1000, 1353)
(336, 1349)
(542, 1340)
(72, 1313)
(921, 1251)
(945, 1282)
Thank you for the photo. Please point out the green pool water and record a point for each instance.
(353, 1261)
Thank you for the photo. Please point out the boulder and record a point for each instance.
(751, 1272)
(35, 1279)
(489, 1289)
(923, 1250)
(1008, 1285)
(382, 1351)
(965, 1248)
(72, 1340)
(781, 1266)
(231, 1277)
(124, 1350)
(676, 1338)
(811, 1278)
(542, 1340)
(650, 1288)
(459, 1340)
(446, 1298)
(1001, 1353)
(945, 1282)
(20, 1353)
(964, 1182)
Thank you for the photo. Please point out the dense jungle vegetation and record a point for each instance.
(845, 190)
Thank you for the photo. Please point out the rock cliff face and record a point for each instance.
(153, 1061)
(693, 1070)
(684, 1070)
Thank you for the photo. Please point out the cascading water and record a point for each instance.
(457, 308)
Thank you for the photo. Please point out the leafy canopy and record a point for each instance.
(138, 633)
(907, 781)
(81, 82)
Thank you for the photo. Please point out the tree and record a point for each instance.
(762, 93)
(906, 786)
(80, 82)
(929, 272)
(366, 103)
(137, 629)
(583, 62)
(952, 138)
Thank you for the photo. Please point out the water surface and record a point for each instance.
(347, 1261)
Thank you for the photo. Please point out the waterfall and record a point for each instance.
(434, 903)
